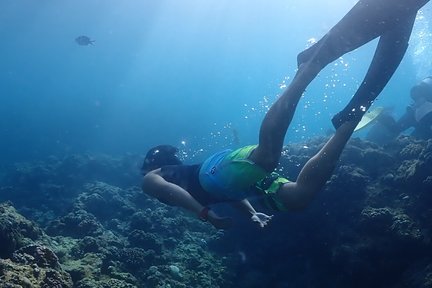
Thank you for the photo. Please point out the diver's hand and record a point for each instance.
(261, 218)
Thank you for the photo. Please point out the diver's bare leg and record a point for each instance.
(317, 171)
(278, 118)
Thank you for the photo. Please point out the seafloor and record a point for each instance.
(82, 221)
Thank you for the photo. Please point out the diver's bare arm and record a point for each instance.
(155, 185)
(258, 217)
(244, 206)
(171, 194)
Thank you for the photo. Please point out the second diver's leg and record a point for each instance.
(388, 55)
(317, 171)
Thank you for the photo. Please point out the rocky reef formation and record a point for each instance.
(97, 234)
(369, 227)
(25, 261)
(82, 221)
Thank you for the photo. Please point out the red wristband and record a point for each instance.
(203, 215)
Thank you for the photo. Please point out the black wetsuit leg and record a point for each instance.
(367, 20)
(388, 55)
(356, 28)
(392, 21)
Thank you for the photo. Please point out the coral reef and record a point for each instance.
(368, 228)
(15, 231)
(24, 260)
(104, 235)
(83, 221)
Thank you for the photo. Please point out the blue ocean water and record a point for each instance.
(200, 75)
(196, 74)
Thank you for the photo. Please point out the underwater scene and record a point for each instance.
(129, 133)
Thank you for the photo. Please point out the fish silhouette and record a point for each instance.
(84, 40)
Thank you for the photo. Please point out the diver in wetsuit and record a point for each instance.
(230, 176)
(418, 116)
